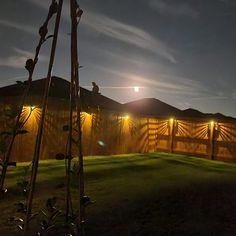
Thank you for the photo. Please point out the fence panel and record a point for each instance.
(191, 137)
(162, 135)
(106, 133)
(225, 141)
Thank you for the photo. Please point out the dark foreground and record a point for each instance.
(150, 194)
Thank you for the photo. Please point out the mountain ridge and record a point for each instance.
(143, 107)
(155, 107)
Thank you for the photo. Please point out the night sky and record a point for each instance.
(181, 52)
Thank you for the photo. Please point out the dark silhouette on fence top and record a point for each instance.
(95, 89)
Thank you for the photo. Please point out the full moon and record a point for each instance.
(136, 89)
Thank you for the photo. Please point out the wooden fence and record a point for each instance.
(210, 139)
(106, 133)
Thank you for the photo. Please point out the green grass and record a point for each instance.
(142, 194)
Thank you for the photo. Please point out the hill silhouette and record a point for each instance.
(143, 107)
(59, 89)
(154, 107)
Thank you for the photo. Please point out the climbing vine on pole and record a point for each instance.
(30, 66)
(54, 8)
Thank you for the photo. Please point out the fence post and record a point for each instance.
(156, 135)
(212, 140)
(171, 124)
(148, 135)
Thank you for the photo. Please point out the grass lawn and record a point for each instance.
(142, 194)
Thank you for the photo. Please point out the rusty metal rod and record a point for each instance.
(70, 134)
(74, 52)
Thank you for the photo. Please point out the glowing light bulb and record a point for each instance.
(136, 89)
(212, 123)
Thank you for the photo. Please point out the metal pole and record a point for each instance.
(75, 71)
(70, 135)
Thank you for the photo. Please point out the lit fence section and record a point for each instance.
(106, 133)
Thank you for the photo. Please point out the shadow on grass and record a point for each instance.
(154, 194)
(202, 209)
(202, 164)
